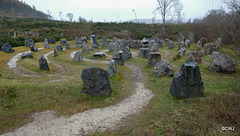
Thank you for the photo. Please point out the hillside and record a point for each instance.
(15, 8)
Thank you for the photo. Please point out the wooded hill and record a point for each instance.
(15, 8)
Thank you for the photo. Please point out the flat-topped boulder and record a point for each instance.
(78, 57)
(43, 63)
(7, 48)
(163, 68)
(95, 82)
(118, 57)
(153, 58)
(26, 55)
(187, 82)
(223, 64)
(99, 54)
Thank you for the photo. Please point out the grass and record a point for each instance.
(206, 115)
(22, 96)
(220, 106)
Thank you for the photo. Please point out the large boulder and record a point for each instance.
(113, 46)
(63, 42)
(7, 48)
(112, 68)
(144, 52)
(29, 43)
(94, 41)
(26, 55)
(163, 68)
(170, 44)
(153, 58)
(43, 63)
(223, 64)
(46, 45)
(78, 57)
(195, 56)
(208, 49)
(118, 57)
(187, 82)
(96, 82)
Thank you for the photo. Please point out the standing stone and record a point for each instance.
(199, 45)
(215, 55)
(191, 37)
(181, 41)
(163, 68)
(170, 44)
(182, 51)
(126, 52)
(59, 48)
(67, 46)
(217, 44)
(153, 58)
(153, 46)
(204, 41)
(26, 55)
(104, 41)
(187, 43)
(46, 45)
(188, 82)
(51, 41)
(7, 48)
(83, 39)
(96, 82)
(135, 44)
(118, 57)
(115, 39)
(223, 64)
(94, 41)
(29, 43)
(78, 57)
(145, 43)
(33, 49)
(208, 49)
(112, 68)
(63, 42)
(79, 44)
(85, 49)
(113, 46)
(195, 56)
(43, 63)
(56, 52)
(144, 52)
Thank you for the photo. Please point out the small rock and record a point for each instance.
(99, 54)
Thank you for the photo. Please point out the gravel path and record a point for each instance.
(94, 120)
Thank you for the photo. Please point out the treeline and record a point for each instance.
(18, 8)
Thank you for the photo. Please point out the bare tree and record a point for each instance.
(60, 15)
(81, 19)
(178, 11)
(70, 16)
(164, 7)
(49, 14)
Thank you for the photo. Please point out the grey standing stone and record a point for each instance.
(33, 49)
(195, 56)
(181, 41)
(79, 44)
(145, 43)
(67, 46)
(26, 55)
(191, 37)
(182, 51)
(96, 82)
(112, 68)
(118, 57)
(199, 45)
(46, 45)
(29, 43)
(43, 63)
(144, 52)
(51, 41)
(115, 39)
(85, 49)
(59, 48)
(187, 82)
(94, 41)
(208, 49)
(113, 46)
(104, 41)
(217, 44)
(215, 55)
(7, 48)
(63, 42)
(223, 64)
(83, 39)
(126, 50)
(153, 58)
(78, 57)
(187, 43)
(170, 44)
(163, 68)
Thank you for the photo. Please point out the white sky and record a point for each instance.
(116, 10)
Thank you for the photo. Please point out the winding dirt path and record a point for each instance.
(94, 120)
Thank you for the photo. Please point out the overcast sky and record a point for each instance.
(118, 10)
